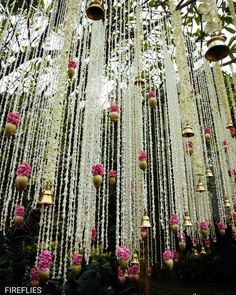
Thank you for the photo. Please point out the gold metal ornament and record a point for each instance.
(209, 173)
(145, 222)
(187, 131)
(95, 10)
(195, 253)
(229, 125)
(139, 81)
(227, 204)
(217, 49)
(200, 187)
(46, 197)
(135, 259)
(187, 221)
(203, 251)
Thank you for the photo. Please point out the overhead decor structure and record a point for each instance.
(113, 121)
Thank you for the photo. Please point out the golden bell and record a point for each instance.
(208, 173)
(200, 187)
(217, 49)
(187, 221)
(145, 222)
(135, 259)
(187, 130)
(46, 197)
(195, 253)
(203, 251)
(139, 81)
(227, 204)
(95, 10)
(229, 125)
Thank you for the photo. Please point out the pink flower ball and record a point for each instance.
(123, 253)
(113, 173)
(23, 169)
(121, 272)
(167, 255)
(77, 259)
(189, 144)
(232, 131)
(20, 211)
(94, 233)
(207, 130)
(224, 142)
(151, 94)
(34, 274)
(221, 225)
(98, 169)
(207, 242)
(174, 219)
(114, 108)
(144, 230)
(204, 225)
(182, 238)
(142, 156)
(72, 64)
(13, 118)
(135, 269)
(45, 259)
(234, 215)
(149, 270)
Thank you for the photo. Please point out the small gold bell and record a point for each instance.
(46, 197)
(227, 204)
(203, 251)
(95, 10)
(145, 222)
(135, 259)
(209, 173)
(200, 187)
(195, 253)
(187, 221)
(187, 130)
(217, 48)
(229, 125)
(139, 81)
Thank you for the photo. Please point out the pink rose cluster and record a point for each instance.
(114, 108)
(113, 173)
(142, 156)
(207, 130)
(167, 255)
(77, 259)
(20, 211)
(204, 225)
(45, 260)
(98, 169)
(174, 219)
(121, 273)
(221, 225)
(34, 274)
(123, 253)
(182, 237)
(134, 270)
(232, 131)
(94, 233)
(149, 270)
(144, 230)
(72, 64)
(151, 93)
(234, 215)
(23, 169)
(13, 118)
(189, 144)
(224, 142)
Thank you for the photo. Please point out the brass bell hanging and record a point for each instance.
(145, 222)
(135, 259)
(229, 125)
(217, 49)
(95, 10)
(195, 253)
(139, 81)
(187, 130)
(209, 173)
(200, 187)
(46, 197)
(227, 204)
(203, 251)
(187, 221)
